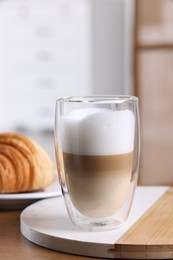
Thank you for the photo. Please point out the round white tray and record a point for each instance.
(47, 224)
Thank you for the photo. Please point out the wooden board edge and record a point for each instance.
(124, 250)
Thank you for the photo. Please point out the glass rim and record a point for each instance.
(98, 99)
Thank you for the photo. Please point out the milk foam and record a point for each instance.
(97, 131)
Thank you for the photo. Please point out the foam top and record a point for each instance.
(97, 131)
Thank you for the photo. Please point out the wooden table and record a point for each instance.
(14, 246)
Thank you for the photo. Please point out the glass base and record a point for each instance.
(100, 224)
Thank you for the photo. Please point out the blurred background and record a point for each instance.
(55, 48)
(154, 85)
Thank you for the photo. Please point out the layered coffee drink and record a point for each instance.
(97, 146)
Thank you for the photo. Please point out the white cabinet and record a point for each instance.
(54, 48)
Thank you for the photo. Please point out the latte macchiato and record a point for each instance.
(97, 151)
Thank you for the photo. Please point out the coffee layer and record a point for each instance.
(98, 185)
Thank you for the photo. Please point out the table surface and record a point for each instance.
(14, 246)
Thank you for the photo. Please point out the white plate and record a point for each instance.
(21, 200)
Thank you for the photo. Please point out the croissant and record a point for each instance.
(24, 165)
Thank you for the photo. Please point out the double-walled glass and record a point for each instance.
(97, 150)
